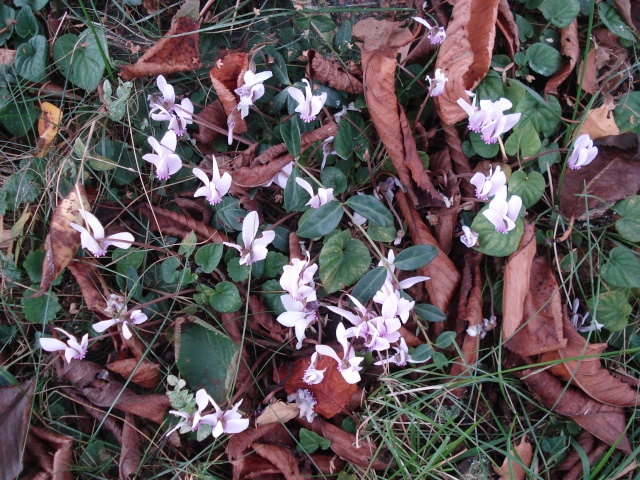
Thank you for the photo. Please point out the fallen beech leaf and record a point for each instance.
(279, 411)
(587, 442)
(360, 452)
(542, 314)
(15, 406)
(95, 291)
(210, 116)
(283, 458)
(41, 443)
(379, 78)
(175, 52)
(516, 281)
(444, 277)
(48, 123)
(581, 364)
(589, 77)
(226, 76)
(146, 375)
(331, 73)
(613, 175)
(332, 394)
(577, 471)
(376, 33)
(62, 241)
(465, 55)
(507, 25)
(604, 421)
(570, 48)
(512, 467)
(599, 122)
(178, 225)
(7, 56)
(611, 58)
(130, 448)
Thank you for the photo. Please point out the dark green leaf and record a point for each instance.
(528, 186)
(372, 209)
(238, 273)
(627, 112)
(524, 139)
(445, 339)
(291, 135)
(544, 59)
(614, 22)
(343, 142)
(525, 30)
(226, 298)
(279, 67)
(188, 245)
(295, 197)
(415, 257)
(208, 257)
(612, 310)
(42, 309)
(332, 177)
(271, 293)
(368, 286)
(7, 18)
(430, 313)
(80, 59)
(34, 4)
(343, 36)
(422, 353)
(33, 265)
(322, 221)
(31, 59)
(27, 23)
(628, 225)
(273, 264)
(492, 242)
(382, 234)
(343, 261)
(311, 441)
(485, 150)
(560, 12)
(20, 188)
(622, 269)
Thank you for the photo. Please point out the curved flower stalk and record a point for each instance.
(165, 159)
(164, 108)
(72, 349)
(348, 365)
(93, 238)
(437, 35)
(487, 186)
(489, 119)
(309, 105)
(120, 316)
(502, 213)
(306, 402)
(324, 195)
(214, 189)
(436, 84)
(583, 152)
(251, 90)
(253, 250)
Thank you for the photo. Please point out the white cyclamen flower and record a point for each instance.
(252, 250)
(281, 177)
(135, 317)
(71, 349)
(297, 279)
(305, 401)
(489, 119)
(324, 195)
(469, 237)
(251, 90)
(213, 189)
(309, 105)
(401, 356)
(437, 35)
(502, 213)
(93, 239)
(313, 376)
(436, 84)
(299, 316)
(583, 152)
(348, 365)
(227, 421)
(165, 159)
(164, 109)
(579, 320)
(488, 186)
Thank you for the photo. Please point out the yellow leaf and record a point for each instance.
(48, 123)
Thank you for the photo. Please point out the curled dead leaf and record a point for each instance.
(15, 409)
(279, 411)
(283, 459)
(587, 72)
(48, 123)
(95, 291)
(465, 55)
(179, 225)
(570, 49)
(7, 56)
(331, 73)
(599, 122)
(226, 76)
(42, 443)
(507, 25)
(146, 374)
(513, 467)
(208, 119)
(129, 448)
(375, 34)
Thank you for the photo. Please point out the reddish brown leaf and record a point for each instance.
(208, 119)
(172, 223)
(461, 164)
(507, 25)
(42, 443)
(613, 175)
(444, 277)
(581, 364)
(226, 76)
(175, 52)
(587, 442)
(589, 77)
(570, 49)
(516, 281)
(512, 467)
(627, 11)
(146, 374)
(15, 406)
(332, 394)
(95, 291)
(599, 122)
(541, 330)
(7, 56)
(379, 78)
(331, 73)
(130, 448)
(62, 242)
(283, 458)
(604, 421)
(465, 55)
(377, 34)
(577, 471)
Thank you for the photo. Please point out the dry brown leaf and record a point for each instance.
(512, 468)
(589, 77)
(444, 277)
(210, 117)
(580, 363)
(283, 458)
(7, 56)
(603, 421)
(130, 448)
(226, 76)
(95, 291)
(41, 443)
(379, 79)
(627, 11)
(542, 315)
(516, 281)
(460, 162)
(571, 49)
(465, 55)
(587, 442)
(178, 225)
(15, 406)
(612, 59)
(50, 119)
(332, 73)
(613, 175)
(377, 34)
(175, 52)
(577, 471)
(599, 122)
(332, 394)
(62, 241)
(507, 25)
(279, 411)
(146, 374)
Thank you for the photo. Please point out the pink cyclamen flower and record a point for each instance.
(313, 376)
(93, 238)
(165, 159)
(309, 105)
(72, 349)
(252, 250)
(436, 84)
(299, 315)
(222, 421)
(297, 279)
(164, 109)
(489, 118)
(348, 365)
(324, 195)
(305, 401)
(583, 152)
(502, 213)
(251, 90)
(401, 356)
(214, 189)
(135, 317)
(487, 186)
(469, 237)
(281, 177)
(437, 35)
